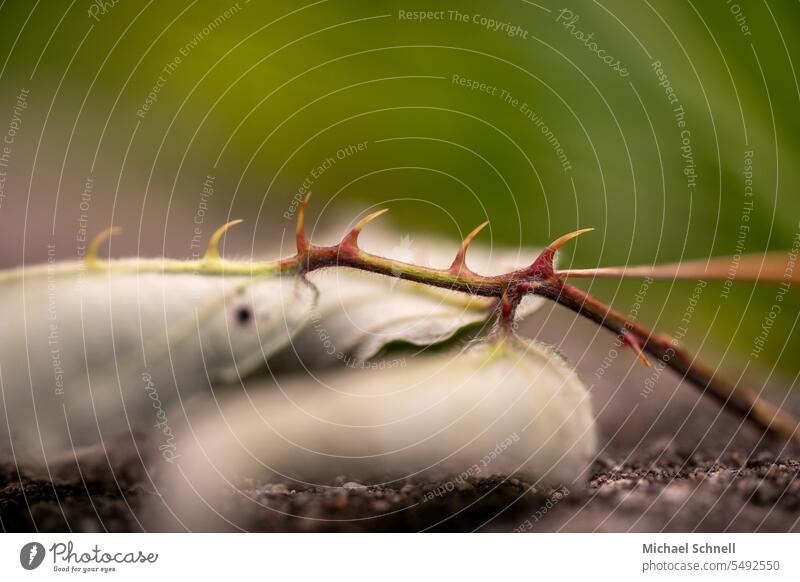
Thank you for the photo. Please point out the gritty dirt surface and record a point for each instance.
(672, 462)
(666, 492)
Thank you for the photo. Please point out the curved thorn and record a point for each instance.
(543, 265)
(351, 238)
(94, 246)
(300, 228)
(367, 219)
(460, 261)
(562, 240)
(212, 252)
(630, 340)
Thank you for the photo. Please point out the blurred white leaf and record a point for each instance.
(85, 356)
(508, 407)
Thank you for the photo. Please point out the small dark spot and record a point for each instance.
(244, 315)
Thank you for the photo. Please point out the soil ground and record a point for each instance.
(666, 492)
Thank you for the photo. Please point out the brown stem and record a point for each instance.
(664, 348)
(540, 278)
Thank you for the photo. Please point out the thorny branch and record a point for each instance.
(540, 278)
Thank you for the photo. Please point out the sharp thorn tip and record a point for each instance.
(94, 246)
(460, 261)
(301, 242)
(212, 252)
(562, 240)
(369, 218)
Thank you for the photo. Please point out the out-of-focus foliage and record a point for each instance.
(265, 93)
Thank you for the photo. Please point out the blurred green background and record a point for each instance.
(265, 93)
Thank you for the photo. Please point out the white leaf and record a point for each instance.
(87, 355)
(495, 408)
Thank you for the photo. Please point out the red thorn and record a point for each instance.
(459, 262)
(542, 267)
(300, 229)
(632, 341)
(350, 240)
